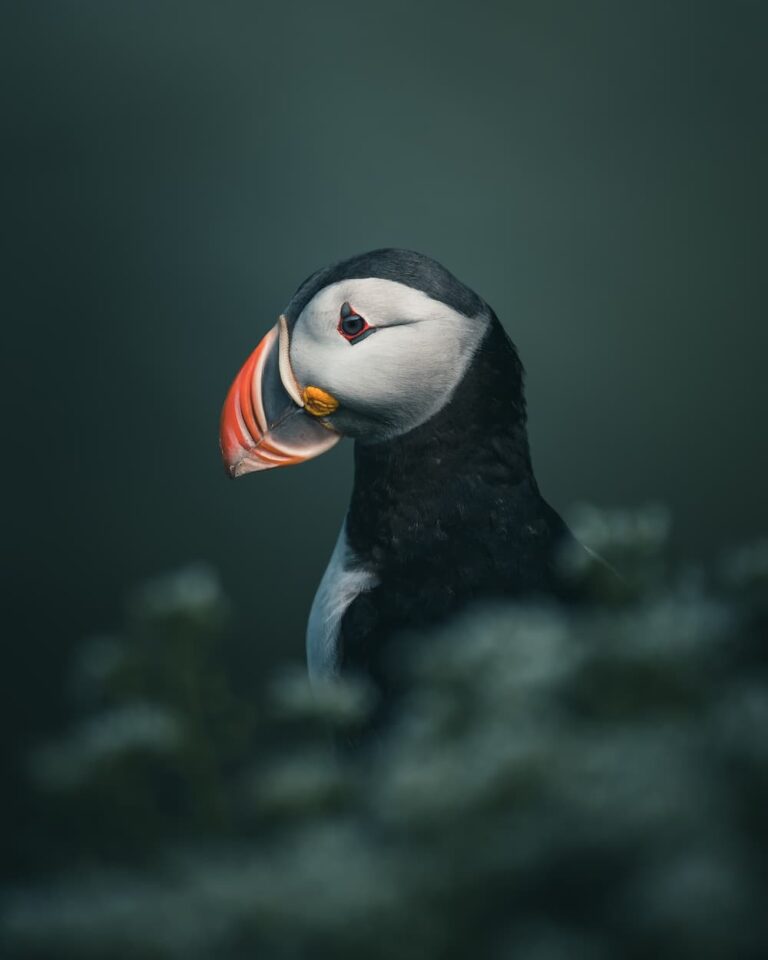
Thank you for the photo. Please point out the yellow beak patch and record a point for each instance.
(318, 402)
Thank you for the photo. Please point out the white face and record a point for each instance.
(396, 377)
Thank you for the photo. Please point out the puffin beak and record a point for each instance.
(268, 420)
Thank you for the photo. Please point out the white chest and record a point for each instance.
(342, 581)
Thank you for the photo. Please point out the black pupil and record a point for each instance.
(352, 324)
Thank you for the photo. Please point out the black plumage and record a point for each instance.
(450, 514)
(390, 263)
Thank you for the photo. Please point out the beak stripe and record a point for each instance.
(244, 435)
(255, 404)
(286, 371)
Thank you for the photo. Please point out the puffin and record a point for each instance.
(391, 350)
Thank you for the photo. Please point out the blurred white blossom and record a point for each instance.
(194, 591)
(556, 784)
(338, 702)
(136, 727)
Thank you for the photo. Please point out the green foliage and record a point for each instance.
(555, 784)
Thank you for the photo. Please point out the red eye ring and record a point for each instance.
(352, 326)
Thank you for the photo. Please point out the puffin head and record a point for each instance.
(368, 348)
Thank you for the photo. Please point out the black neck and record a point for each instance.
(410, 491)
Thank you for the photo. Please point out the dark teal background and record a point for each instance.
(595, 170)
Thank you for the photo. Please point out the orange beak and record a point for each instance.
(265, 422)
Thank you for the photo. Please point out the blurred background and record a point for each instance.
(596, 171)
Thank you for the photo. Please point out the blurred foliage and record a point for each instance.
(556, 784)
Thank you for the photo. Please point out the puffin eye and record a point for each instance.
(351, 325)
